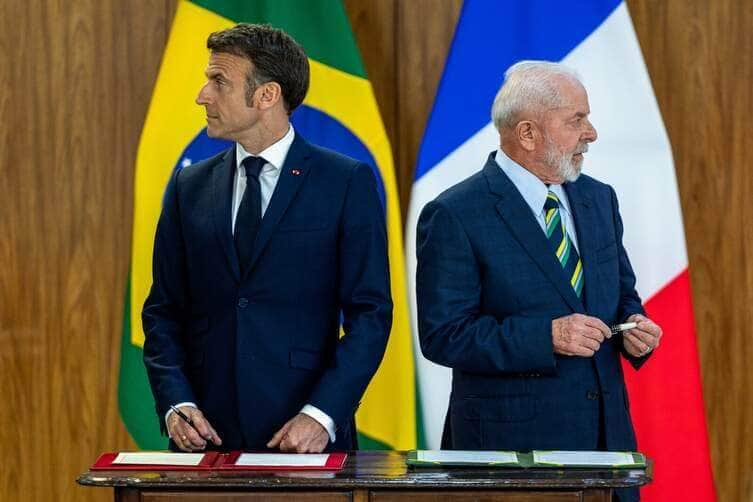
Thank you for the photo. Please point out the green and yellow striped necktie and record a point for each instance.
(561, 243)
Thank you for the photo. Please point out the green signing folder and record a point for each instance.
(556, 459)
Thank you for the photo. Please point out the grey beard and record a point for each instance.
(567, 169)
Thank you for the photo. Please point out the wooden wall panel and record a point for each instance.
(404, 45)
(425, 30)
(76, 81)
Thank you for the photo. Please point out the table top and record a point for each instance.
(376, 469)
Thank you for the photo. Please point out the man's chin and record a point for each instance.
(573, 172)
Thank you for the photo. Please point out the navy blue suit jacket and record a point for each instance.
(489, 286)
(251, 350)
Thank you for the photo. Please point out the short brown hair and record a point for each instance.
(276, 57)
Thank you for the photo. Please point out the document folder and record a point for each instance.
(535, 459)
(164, 461)
(112, 461)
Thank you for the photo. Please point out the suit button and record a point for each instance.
(593, 395)
(242, 303)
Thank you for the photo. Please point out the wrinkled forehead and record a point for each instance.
(227, 64)
(573, 98)
(570, 89)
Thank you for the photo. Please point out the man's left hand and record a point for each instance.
(301, 434)
(642, 339)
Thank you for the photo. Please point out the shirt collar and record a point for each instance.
(533, 190)
(274, 154)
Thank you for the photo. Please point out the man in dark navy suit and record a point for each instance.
(521, 270)
(260, 252)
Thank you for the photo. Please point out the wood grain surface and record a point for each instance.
(75, 83)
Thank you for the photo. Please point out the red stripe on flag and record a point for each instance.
(666, 402)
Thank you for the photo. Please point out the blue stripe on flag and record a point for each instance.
(491, 35)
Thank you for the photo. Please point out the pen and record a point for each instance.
(185, 418)
(617, 328)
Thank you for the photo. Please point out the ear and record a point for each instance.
(268, 95)
(526, 133)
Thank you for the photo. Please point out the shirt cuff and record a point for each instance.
(170, 412)
(323, 419)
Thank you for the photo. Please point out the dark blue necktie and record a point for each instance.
(248, 219)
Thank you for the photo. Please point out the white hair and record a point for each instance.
(530, 86)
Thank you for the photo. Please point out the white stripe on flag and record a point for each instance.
(632, 152)
(434, 380)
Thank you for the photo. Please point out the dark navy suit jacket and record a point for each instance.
(251, 350)
(489, 286)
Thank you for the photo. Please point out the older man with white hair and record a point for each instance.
(521, 277)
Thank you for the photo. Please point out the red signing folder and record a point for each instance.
(219, 461)
(333, 462)
(106, 462)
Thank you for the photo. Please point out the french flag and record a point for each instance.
(633, 154)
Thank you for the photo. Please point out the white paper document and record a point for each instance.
(283, 459)
(575, 458)
(158, 458)
(471, 457)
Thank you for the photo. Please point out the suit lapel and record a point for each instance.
(292, 175)
(223, 175)
(523, 225)
(585, 225)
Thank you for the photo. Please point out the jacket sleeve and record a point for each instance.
(630, 302)
(452, 330)
(164, 312)
(365, 300)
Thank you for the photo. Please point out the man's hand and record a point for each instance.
(642, 339)
(185, 436)
(578, 335)
(301, 434)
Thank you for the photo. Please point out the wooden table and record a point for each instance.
(377, 476)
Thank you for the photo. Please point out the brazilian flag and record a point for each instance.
(340, 112)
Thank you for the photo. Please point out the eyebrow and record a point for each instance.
(214, 73)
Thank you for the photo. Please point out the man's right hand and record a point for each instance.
(578, 335)
(185, 436)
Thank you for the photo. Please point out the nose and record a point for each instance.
(203, 97)
(590, 133)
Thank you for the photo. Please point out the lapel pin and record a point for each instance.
(295, 172)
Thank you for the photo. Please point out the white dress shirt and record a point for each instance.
(275, 155)
(534, 192)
